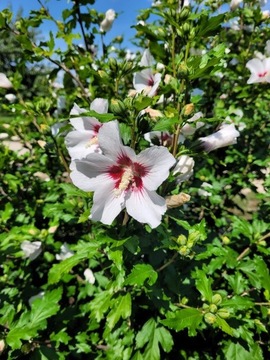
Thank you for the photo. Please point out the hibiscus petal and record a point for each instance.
(255, 66)
(141, 80)
(85, 122)
(146, 207)
(158, 161)
(78, 144)
(88, 174)
(106, 205)
(147, 59)
(110, 142)
(100, 105)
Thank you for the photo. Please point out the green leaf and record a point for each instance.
(141, 102)
(15, 336)
(153, 336)
(58, 270)
(203, 284)
(186, 318)
(140, 273)
(121, 309)
(224, 326)
(45, 307)
(235, 351)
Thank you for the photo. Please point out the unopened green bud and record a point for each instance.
(184, 251)
(183, 69)
(213, 308)
(117, 107)
(225, 240)
(223, 313)
(216, 299)
(103, 74)
(193, 236)
(210, 318)
(181, 240)
(184, 300)
(183, 15)
(113, 64)
(186, 28)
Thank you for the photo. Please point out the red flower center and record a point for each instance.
(127, 175)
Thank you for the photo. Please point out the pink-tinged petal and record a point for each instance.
(266, 64)
(79, 144)
(147, 59)
(146, 207)
(85, 122)
(90, 173)
(106, 205)
(158, 161)
(110, 141)
(255, 66)
(100, 105)
(157, 80)
(142, 80)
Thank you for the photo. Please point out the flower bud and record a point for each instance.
(117, 107)
(184, 14)
(210, 318)
(113, 64)
(188, 109)
(223, 313)
(216, 299)
(2, 346)
(212, 308)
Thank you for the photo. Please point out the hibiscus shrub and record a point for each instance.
(135, 194)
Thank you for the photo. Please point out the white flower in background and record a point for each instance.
(265, 14)
(107, 22)
(11, 98)
(192, 124)
(227, 135)
(235, 4)
(184, 166)
(146, 81)
(130, 55)
(83, 140)
(262, 2)
(65, 252)
(259, 55)
(31, 250)
(203, 190)
(35, 297)
(267, 47)
(163, 138)
(260, 70)
(89, 276)
(4, 82)
(121, 179)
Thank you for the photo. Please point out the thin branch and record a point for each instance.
(168, 263)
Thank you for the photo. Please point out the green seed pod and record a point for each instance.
(216, 299)
(213, 308)
(210, 318)
(223, 313)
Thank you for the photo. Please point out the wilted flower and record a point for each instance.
(107, 22)
(4, 82)
(202, 191)
(260, 70)
(65, 252)
(174, 201)
(189, 128)
(83, 140)
(146, 81)
(121, 179)
(184, 166)
(89, 276)
(11, 97)
(31, 249)
(163, 138)
(225, 136)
